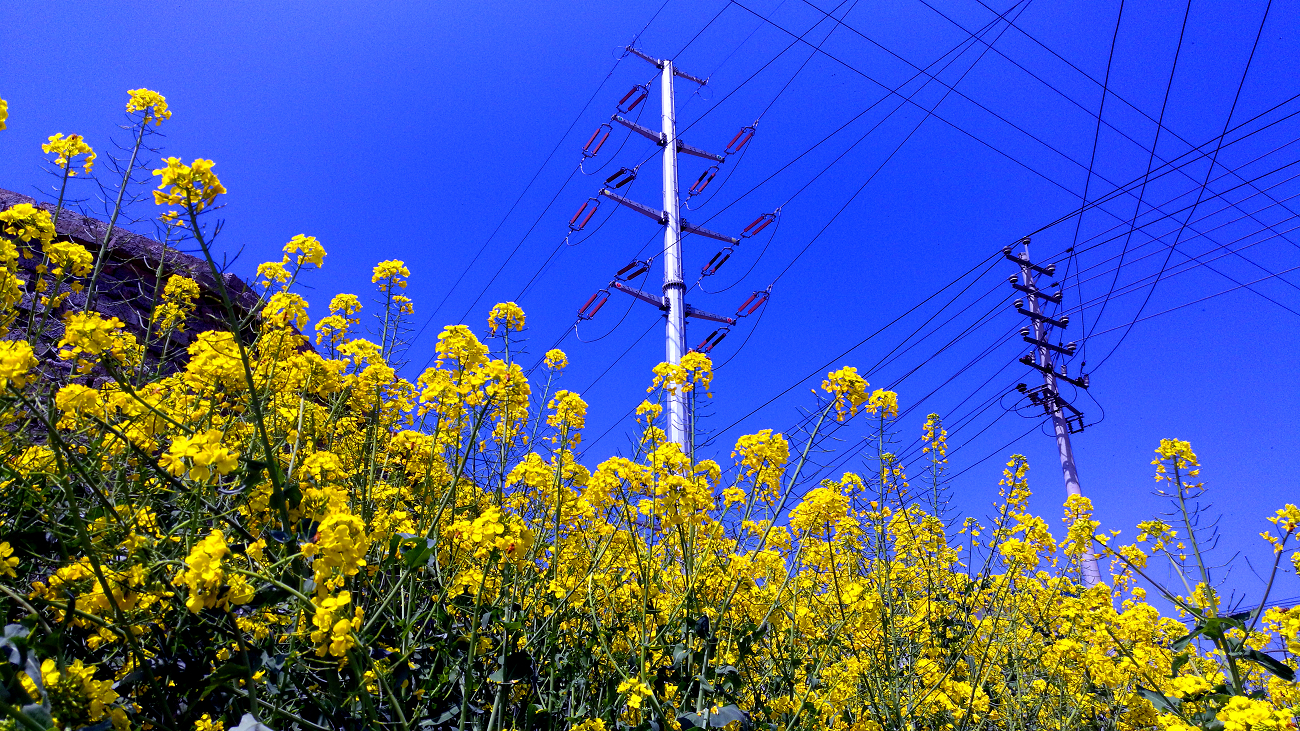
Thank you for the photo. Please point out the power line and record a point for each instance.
(1092, 159)
(1213, 160)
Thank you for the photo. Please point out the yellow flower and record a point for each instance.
(505, 314)
(207, 724)
(8, 562)
(4, 112)
(390, 273)
(556, 360)
(193, 185)
(1248, 714)
(200, 456)
(153, 104)
(69, 257)
(180, 297)
(308, 249)
(636, 692)
(75, 698)
(884, 403)
(88, 336)
(210, 586)
(570, 411)
(69, 147)
(695, 370)
(849, 389)
(27, 222)
(16, 362)
(286, 308)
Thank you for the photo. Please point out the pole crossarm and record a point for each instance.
(662, 218)
(658, 139)
(641, 208)
(646, 132)
(1046, 271)
(1067, 350)
(1029, 361)
(1054, 298)
(643, 296)
(702, 315)
(1039, 317)
(660, 64)
(701, 231)
(662, 304)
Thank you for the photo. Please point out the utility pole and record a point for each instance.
(673, 301)
(1066, 419)
(674, 286)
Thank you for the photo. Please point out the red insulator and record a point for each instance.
(759, 224)
(703, 181)
(593, 145)
(716, 262)
(751, 305)
(637, 95)
(623, 176)
(633, 270)
(586, 312)
(585, 213)
(741, 139)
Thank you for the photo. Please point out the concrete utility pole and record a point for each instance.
(673, 301)
(1047, 395)
(674, 287)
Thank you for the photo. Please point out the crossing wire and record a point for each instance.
(1210, 171)
(1092, 159)
(1013, 125)
(829, 363)
(1169, 166)
(1152, 157)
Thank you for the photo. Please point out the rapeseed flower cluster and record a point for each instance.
(272, 534)
(66, 148)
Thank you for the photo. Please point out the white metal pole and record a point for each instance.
(674, 287)
(1091, 574)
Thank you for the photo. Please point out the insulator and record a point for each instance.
(1051, 269)
(716, 262)
(587, 311)
(703, 181)
(759, 224)
(633, 270)
(597, 140)
(633, 98)
(584, 213)
(711, 342)
(741, 139)
(751, 305)
(623, 177)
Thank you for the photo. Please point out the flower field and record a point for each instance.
(286, 534)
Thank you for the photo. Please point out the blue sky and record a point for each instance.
(407, 130)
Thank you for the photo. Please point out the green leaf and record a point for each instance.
(1270, 663)
(1179, 662)
(723, 716)
(248, 723)
(1181, 643)
(1160, 700)
(228, 673)
(39, 714)
(268, 594)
